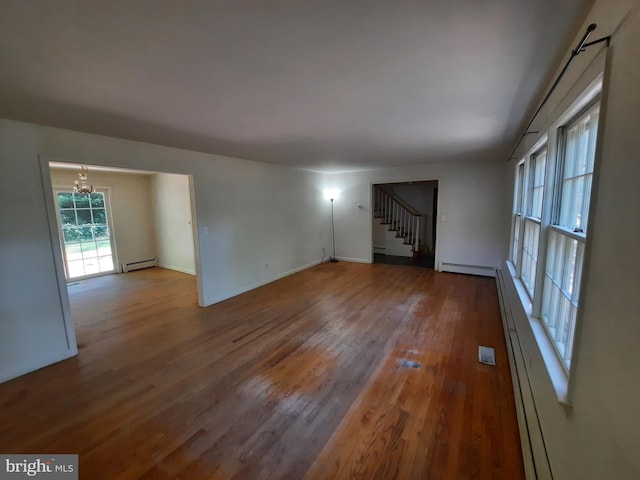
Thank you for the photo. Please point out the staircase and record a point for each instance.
(399, 217)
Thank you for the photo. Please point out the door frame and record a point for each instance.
(437, 188)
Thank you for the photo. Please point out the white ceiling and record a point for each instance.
(324, 85)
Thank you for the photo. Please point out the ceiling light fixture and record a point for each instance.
(81, 186)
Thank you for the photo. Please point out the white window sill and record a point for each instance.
(557, 373)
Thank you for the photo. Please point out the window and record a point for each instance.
(549, 234)
(536, 168)
(85, 233)
(568, 234)
(517, 215)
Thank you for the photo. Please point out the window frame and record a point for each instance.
(566, 354)
(106, 193)
(554, 140)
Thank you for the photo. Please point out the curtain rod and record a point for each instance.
(582, 46)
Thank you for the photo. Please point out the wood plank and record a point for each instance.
(341, 371)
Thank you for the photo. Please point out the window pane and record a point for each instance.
(519, 188)
(68, 217)
(97, 200)
(592, 140)
(99, 216)
(84, 217)
(104, 247)
(517, 218)
(71, 234)
(530, 255)
(75, 268)
(106, 263)
(560, 295)
(537, 173)
(89, 250)
(82, 200)
(73, 251)
(91, 266)
(65, 200)
(101, 232)
(86, 233)
(577, 174)
(516, 239)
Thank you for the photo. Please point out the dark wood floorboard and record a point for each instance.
(341, 371)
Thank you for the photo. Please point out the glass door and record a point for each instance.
(85, 233)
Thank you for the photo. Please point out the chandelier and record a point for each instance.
(81, 185)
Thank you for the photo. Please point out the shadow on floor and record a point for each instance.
(425, 261)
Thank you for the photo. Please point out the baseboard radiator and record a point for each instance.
(468, 269)
(129, 267)
(536, 461)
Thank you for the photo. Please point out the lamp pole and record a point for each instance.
(333, 235)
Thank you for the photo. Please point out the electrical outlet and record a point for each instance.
(266, 266)
(324, 252)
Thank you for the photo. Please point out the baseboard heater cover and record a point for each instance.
(128, 267)
(468, 269)
(534, 453)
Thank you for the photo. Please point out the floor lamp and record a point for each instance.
(333, 236)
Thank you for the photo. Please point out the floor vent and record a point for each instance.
(486, 355)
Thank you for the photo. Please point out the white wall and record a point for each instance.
(33, 330)
(256, 223)
(471, 197)
(132, 213)
(598, 436)
(173, 222)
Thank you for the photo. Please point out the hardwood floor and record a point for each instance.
(341, 371)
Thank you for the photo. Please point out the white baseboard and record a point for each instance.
(177, 269)
(247, 288)
(354, 260)
(15, 372)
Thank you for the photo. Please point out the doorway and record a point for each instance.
(404, 223)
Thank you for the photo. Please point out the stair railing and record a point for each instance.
(400, 217)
